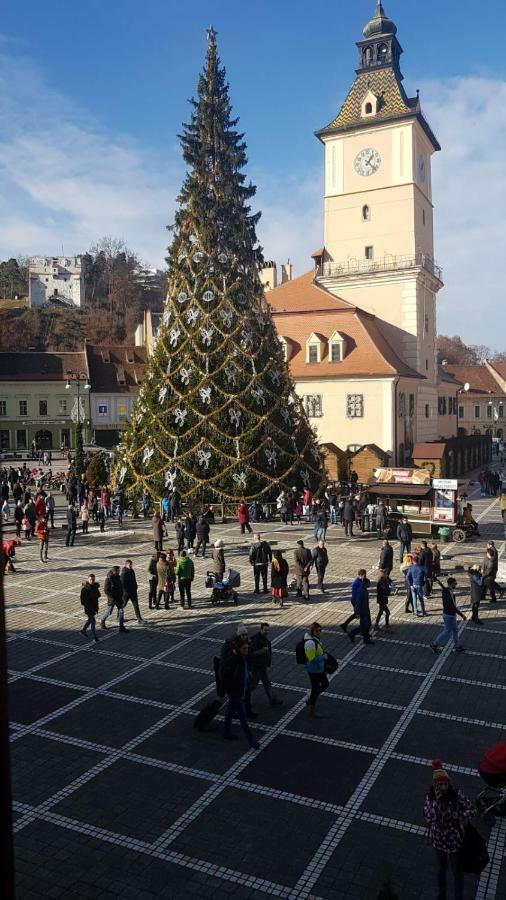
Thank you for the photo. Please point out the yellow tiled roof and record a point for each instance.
(385, 85)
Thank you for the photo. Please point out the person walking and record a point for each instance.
(153, 579)
(85, 517)
(89, 600)
(405, 537)
(383, 591)
(260, 657)
(477, 586)
(490, 569)
(446, 811)
(320, 558)
(426, 561)
(50, 508)
(185, 573)
(364, 614)
(386, 560)
(235, 682)
(31, 515)
(381, 519)
(321, 522)
(450, 613)
(157, 528)
(260, 555)
(202, 536)
(71, 525)
(279, 577)
(113, 590)
(42, 533)
(315, 666)
(130, 590)
(171, 577)
(415, 576)
(179, 529)
(218, 557)
(303, 563)
(243, 517)
(161, 574)
(355, 587)
(190, 530)
(18, 517)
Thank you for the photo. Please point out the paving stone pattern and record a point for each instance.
(116, 795)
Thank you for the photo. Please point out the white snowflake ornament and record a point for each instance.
(272, 457)
(179, 416)
(205, 395)
(162, 393)
(203, 457)
(235, 416)
(207, 335)
(148, 453)
(174, 336)
(258, 395)
(240, 479)
(185, 373)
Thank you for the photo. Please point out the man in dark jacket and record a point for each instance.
(386, 560)
(381, 518)
(450, 613)
(320, 560)
(113, 590)
(71, 526)
(89, 600)
(202, 536)
(348, 517)
(303, 563)
(260, 555)
(157, 526)
(179, 528)
(260, 659)
(190, 530)
(405, 537)
(235, 681)
(426, 561)
(364, 613)
(129, 584)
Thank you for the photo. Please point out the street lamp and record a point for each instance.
(82, 382)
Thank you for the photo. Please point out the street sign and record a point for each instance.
(445, 484)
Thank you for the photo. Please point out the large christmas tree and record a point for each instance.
(217, 416)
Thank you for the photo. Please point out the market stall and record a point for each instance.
(428, 503)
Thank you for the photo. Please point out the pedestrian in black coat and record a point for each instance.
(89, 600)
(129, 583)
(190, 530)
(71, 526)
(202, 534)
(320, 561)
(386, 560)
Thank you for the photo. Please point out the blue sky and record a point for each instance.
(92, 97)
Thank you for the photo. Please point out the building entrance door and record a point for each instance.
(44, 440)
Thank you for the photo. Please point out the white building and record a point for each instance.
(56, 279)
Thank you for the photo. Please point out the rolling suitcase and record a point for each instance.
(206, 715)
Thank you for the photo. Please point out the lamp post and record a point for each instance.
(82, 382)
(494, 413)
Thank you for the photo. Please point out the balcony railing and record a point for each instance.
(388, 263)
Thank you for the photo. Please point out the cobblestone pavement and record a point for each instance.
(116, 795)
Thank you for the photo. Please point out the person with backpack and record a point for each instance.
(260, 555)
(279, 577)
(450, 613)
(311, 652)
(447, 812)
(113, 590)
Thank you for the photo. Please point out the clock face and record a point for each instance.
(421, 168)
(367, 162)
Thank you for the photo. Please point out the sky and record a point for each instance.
(92, 97)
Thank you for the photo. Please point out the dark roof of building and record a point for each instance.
(116, 369)
(34, 366)
(429, 450)
(478, 377)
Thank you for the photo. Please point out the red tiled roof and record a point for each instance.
(429, 451)
(478, 377)
(367, 352)
(28, 366)
(116, 369)
(500, 368)
(302, 294)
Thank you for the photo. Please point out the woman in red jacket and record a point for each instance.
(243, 517)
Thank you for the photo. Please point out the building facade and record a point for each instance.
(35, 403)
(56, 279)
(116, 374)
(481, 398)
(359, 329)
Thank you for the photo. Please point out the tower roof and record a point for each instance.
(379, 24)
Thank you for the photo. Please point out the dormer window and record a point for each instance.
(370, 105)
(314, 349)
(337, 347)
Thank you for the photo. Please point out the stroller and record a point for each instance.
(223, 591)
(492, 769)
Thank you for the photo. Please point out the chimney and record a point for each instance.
(286, 272)
(269, 275)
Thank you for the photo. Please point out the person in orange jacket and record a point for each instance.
(42, 533)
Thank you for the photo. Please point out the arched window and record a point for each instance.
(368, 109)
(382, 52)
(366, 213)
(368, 56)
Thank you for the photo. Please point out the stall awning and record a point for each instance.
(408, 491)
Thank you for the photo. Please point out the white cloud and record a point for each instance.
(469, 194)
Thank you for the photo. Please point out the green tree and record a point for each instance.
(96, 473)
(217, 414)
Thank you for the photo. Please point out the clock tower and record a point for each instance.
(378, 212)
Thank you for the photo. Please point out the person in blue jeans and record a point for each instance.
(235, 680)
(450, 613)
(415, 576)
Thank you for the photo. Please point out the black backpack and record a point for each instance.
(300, 652)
